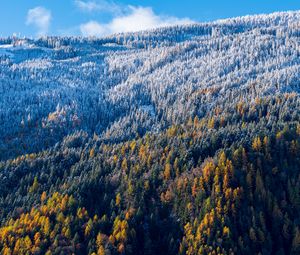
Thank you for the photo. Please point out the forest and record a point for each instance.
(180, 140)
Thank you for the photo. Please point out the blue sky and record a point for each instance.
(101, 17)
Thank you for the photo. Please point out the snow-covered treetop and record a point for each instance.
(126, 84)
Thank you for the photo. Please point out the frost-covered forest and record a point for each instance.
(179, 140)
(122, 86)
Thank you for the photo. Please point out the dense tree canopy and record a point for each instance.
(183, 140)
(193, 189)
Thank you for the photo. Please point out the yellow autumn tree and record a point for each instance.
(167, 171)
(256, 145)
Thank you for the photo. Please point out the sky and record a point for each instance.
(35, 18)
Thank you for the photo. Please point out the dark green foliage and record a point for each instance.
(225, 183)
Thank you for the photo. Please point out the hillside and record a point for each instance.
(123, 86)
(180, 140)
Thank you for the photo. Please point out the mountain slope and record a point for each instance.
(182, 140)
(125, 85)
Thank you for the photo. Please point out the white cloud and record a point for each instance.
(137, 19)
(40, 18)
(92, 28)
(98, 5)
(87, 6)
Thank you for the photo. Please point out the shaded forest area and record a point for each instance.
(227, 183)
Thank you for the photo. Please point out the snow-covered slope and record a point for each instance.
(124, 85)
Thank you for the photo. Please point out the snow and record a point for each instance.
(6, 46)
(159, 78)
(9, 49)
(149, 109)
(4, 50)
